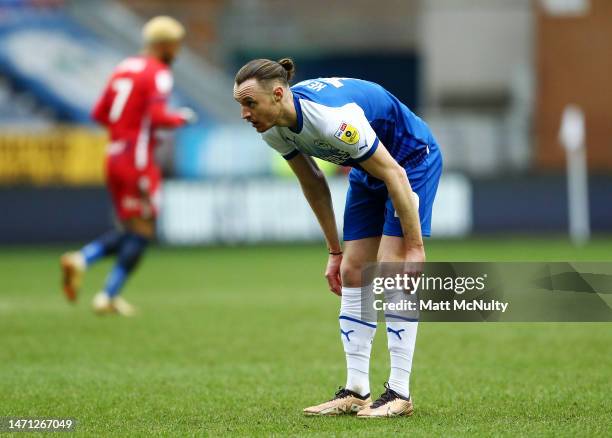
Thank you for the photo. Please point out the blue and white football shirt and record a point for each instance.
(342, 120)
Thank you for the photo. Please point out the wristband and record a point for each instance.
(335, 253)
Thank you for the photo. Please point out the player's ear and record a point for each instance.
(278, 93)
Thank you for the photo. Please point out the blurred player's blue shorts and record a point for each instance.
(369, 211)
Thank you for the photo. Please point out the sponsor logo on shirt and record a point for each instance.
(347, 133)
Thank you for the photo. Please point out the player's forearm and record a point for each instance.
(319, 197)
(160, 117)
(405, 208)
(164, 120)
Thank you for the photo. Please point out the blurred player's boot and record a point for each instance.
(73, 266)
(390, 404)
(103, 305)
(344, 402)
(122, 307)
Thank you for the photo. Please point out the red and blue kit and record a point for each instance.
(132, 107)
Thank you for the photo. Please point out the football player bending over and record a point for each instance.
(396, 168)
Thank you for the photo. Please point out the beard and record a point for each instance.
(167, 58)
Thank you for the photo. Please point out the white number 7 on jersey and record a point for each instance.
(123, 88)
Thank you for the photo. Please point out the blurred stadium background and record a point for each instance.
(492, 78)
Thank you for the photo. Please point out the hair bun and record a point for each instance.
(289, 66)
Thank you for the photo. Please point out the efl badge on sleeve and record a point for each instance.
(347, 133)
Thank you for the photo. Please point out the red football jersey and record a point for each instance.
(133, 105)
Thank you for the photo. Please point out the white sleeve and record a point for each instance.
(163, 83)
(349, 130)
(276, 141)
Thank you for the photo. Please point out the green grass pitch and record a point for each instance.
(236, 341)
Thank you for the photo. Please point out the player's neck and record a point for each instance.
(150, 53)
(288, 114)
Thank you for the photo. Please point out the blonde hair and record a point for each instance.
(162, 29)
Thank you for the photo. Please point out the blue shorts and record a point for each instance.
(369, 211)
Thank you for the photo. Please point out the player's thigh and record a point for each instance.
(149, 190)
(142, 221)
(424, 181)
(136, 196)
(426, 186)
(364, 210)
(144, 227)
(118, 186)
(391, 249)
(357, 254)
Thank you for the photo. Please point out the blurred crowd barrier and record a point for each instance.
(269, 210)
(59, 155)
(55, 156)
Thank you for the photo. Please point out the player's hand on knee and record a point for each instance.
(414, 263)
(332, 274)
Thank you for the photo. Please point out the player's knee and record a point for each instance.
(132, 250)
(141, 227)
(350, 271)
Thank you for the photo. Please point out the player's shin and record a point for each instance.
(130, 252)
(357, 329)
(401, 339)
(105, 245)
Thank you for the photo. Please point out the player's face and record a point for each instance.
(258, 103)
(169, 51)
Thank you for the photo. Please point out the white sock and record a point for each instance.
(401, 338)
(357, 329)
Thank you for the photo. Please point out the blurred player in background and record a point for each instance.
(132, 107)
(396, 168)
